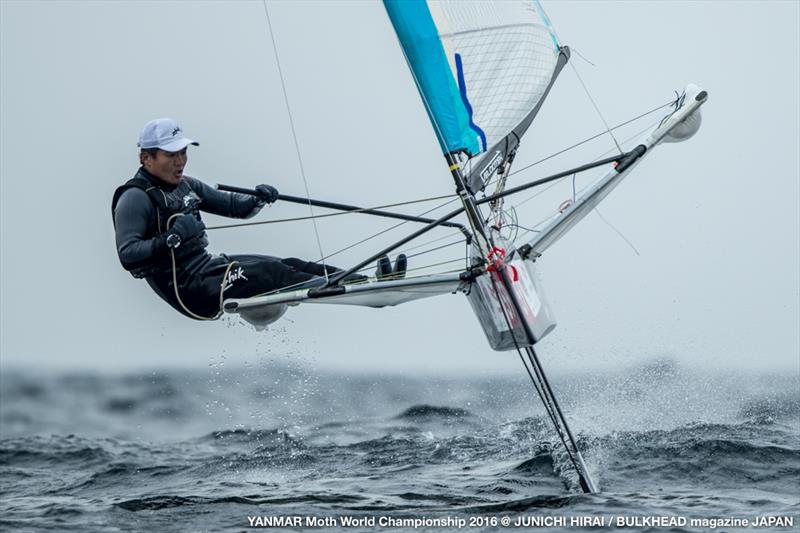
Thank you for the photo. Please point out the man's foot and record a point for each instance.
(400, 266)
(384, 270)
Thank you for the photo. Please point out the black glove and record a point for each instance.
(267, 194)
(185, 227)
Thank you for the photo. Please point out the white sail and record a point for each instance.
(482, 69)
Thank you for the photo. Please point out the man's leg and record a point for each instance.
(258, 274)
(317, 269)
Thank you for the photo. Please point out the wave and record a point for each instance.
(242, 436)
(725, 455)
(55, 450)
(425, 411)
(153, 503)
(524, 504)
(778, 406)
(541, 463)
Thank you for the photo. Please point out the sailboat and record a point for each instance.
(483, 71)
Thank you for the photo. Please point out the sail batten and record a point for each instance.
(485, 28)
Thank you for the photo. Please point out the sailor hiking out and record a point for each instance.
(160, 235)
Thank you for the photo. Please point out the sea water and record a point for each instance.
(283, 446)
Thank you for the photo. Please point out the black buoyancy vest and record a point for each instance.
(166, 204)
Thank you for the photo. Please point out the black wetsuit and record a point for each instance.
(141, 208)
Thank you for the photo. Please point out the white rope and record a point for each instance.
(175, 281)
(294, 137)
(596, 108)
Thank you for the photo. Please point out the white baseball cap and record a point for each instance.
(164, 134)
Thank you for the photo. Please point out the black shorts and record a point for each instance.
(249, 275)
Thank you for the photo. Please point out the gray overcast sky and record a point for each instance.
(715, 220)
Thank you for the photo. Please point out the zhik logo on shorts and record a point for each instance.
(234, 275)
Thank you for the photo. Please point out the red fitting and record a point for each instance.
(496, 256)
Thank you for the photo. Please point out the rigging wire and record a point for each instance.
(574, 193)
(451, 198)
(571, 49)
(551, 27)
(294, 137)
(361, 210)
(449, 261)
(521, 227)
(427, 251)
(593, 137)
(426, 243)
(437, 128)
(539, 193)
(574, 176)
(596, 107)
(600, 134)
(618, 232)
(362, 241)
(430, 250)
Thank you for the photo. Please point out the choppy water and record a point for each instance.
(205, 450)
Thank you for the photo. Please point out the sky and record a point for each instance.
(714, 279)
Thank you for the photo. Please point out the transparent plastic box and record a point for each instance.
(488, 297)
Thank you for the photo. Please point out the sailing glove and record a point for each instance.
(185, 227)
(267, 194)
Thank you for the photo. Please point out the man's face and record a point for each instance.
(167, 166)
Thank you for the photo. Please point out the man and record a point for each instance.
(161, 237)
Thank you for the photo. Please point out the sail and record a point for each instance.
(482, 69)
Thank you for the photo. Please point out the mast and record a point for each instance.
(536, 372)
(449, 47)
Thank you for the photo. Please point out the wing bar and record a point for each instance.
(693, 98)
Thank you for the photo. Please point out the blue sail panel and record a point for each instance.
(446, 106)
(482, 68)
